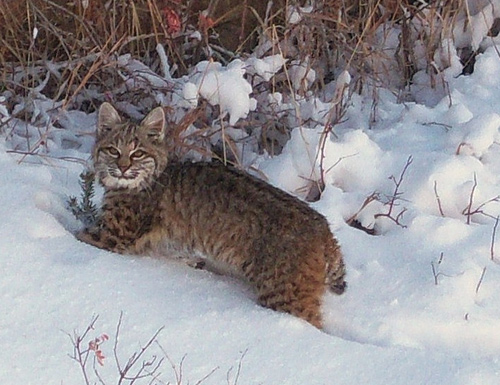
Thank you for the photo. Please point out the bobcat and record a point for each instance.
(154, 204)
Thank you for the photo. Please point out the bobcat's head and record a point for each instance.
(129, 155)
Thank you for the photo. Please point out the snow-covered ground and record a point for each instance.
(423, 302)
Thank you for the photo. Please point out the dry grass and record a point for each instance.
(69, 52)
(339, 35)
(358, 36)
(81, 42)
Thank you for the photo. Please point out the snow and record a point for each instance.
(301, 74)
(294, 14)
(477, 25)
(422, 305)
(225, 87)
(267, 67)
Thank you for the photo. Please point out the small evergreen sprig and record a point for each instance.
(84, 209)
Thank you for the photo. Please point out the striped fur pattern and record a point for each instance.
(236, 222)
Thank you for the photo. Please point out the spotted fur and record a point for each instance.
(236, 222)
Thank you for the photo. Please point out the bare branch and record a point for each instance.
(81, 355)
(134, 358)
(396, 196)
(207, 376)
(436, 273)
(372, 197)
(334, 117)
(493, 236)
(353, 221)
(447, 127)
(480, 280)
(238, 370)
(131, 373)
(438, 199)
(177, 371)
(468, 211)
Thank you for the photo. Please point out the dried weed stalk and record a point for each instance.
(392, 202)
(469, 211)
(141, 367)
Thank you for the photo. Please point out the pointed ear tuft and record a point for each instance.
(154, 124)
(107, 119)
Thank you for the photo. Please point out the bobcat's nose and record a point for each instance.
(123, 165)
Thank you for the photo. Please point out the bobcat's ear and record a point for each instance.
(107, 119)
(154, 124)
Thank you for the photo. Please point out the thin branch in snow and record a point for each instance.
(178, 369)
(146, 369)
(447, 127)
(353, 221)
(238, 370)
(81, 354)
(396, 196)
(478, 286)
(435, 271)
(335, 116)
(134, 370)
(438, 199)
(493, 236)
(468, 211)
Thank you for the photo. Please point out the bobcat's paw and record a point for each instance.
(84, 236)
(198, 264)
(90, 238)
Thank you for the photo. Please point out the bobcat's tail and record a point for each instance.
(335, 268)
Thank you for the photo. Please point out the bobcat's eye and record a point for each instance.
(138, 154)
(112, 151)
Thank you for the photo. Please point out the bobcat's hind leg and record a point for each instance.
(307, 307)
(299, 295)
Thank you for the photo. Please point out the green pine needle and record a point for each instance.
(84, 209)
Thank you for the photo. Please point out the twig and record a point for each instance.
(340, 160)
(480, 279)
(435, 272)
(493, 236)
(447, 127)
(207, 375)
(353, 222)
(238, 370)
(469, 211)
(153, 363)
(81, 355)
(322, 144)
(335, 116)
(46, 156)
(178, 370)
(438, 199)
(396, 195)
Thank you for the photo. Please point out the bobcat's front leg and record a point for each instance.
(102, 238)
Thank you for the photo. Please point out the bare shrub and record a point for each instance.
(376, 41)
(144, 366)
(469, 211)
(380, 42)
(75, 55)
(391, 202)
